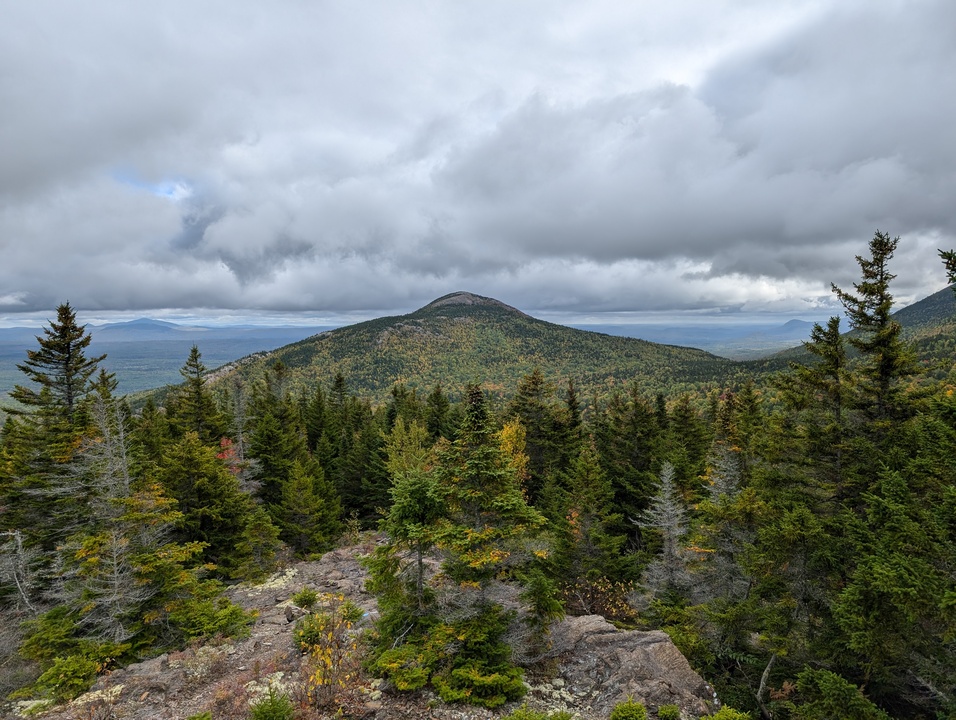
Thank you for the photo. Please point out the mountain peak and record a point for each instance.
(467, 298)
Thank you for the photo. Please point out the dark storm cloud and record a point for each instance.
(342, 157)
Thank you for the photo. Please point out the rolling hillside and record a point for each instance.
(931, 326)
(463, 337)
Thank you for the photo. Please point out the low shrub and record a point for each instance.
(628, 710)
(728, 713)
(668, 712)
(201, 617)
(306, 598)
(70, 675)
(471, 682)
(526, 713)
(408, 666)
(327, 638)
(274, 706)
(67, 678)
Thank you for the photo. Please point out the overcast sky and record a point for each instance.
(234, 158)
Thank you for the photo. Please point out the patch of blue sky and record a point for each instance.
(175, 190)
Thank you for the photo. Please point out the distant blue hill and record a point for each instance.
(146, 353)
(738, 342)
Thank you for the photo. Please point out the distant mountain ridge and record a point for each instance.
(929, 324)
(736, 342)
(146, 353)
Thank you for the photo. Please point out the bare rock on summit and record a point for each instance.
(601, 666)
(592, 665)
(467, 298)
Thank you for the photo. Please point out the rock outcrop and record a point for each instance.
(601, 666)
(592, 665)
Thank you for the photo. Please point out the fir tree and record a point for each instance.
(417, 504)
(627, 438)
(949, 261)
(588, 551)
(533, 405)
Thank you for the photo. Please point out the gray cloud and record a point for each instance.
(321, 157)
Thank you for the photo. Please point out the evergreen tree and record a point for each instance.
(533, 405)
(476, 514)
(40, 500)
(949, 260)
(573, 425)
(667, 574)
(60, 366)
(191, 407)
(485, 502)
(214, 510)
(308, 514)
(275, 447)
(627, 438)
(315, 417)
(151, 429)
(587, 550)
(417, 503)
(878, 338)
(437, 414)
(403, 403)
(687, 444)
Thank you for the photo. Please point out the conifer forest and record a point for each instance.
(793, 532)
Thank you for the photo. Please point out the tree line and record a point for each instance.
(796, 538)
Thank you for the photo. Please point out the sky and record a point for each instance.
(306, 160)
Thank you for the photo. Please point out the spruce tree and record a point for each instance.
(534, 406)
(308, 513)
(878, 336)
(39, 498)
(587, 549)
(667, 573)
(214, 510)
(191, 407)
(60, 366)
(437, 414)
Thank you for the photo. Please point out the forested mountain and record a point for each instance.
(463, 337)
(794, 537)
(930, 325)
